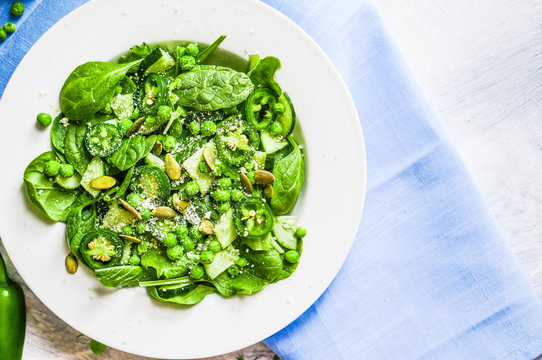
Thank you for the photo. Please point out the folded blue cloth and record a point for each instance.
(429, 275)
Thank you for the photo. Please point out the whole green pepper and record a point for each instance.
(12, 317)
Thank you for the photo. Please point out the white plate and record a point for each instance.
(330, 206)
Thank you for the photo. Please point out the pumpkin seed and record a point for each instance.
(178, 204)
(264, 177)
(245, 181)
(173, 169)
(131, 209)
(164, 212)
(137, 124)
(103, 182)
(207, 227)
(209, 157)
(130, 238)
(71, 263)
(157, 148)
(268, 191)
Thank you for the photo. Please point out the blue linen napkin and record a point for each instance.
(429, 275)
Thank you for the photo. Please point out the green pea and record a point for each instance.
(208, 128)
(222, 195)
(291, 256)
(207, 257)
(300, 232)
(141, 228)
(188, 244)
(197, 272)
(135, 199)
(145, 213)
(250, 176)
(9, 27)
(215, 246)
(141, 248)
(175, 252)
(169, 143)
(134, 260)
(44, 119)
(195, 234)
(52, 168)
(164, 112)
(3, 35)
(179, 52)
(279, 108)
(181, 231)
(150, 120)
(194, 127)
(236, 195)
(241, 262)
(170, 240)
(192, 188)
(224, 207)
(224, 183)
(203, 167)
(66, 170)
(135, 114)
(192, 49)
(187, 62)
(234, 270)
(128, 230)
(17, 8)
(125, 125)
(276, 128)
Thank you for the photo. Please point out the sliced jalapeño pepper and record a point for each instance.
(253, 218)
(236, 141)
(103, 139)
(152, 94)
(100, 249)
(260, 108)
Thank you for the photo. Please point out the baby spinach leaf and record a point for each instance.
(80, 221)
(124, 276)
(288, 268)
(209, 88)
(192, 297)
(90, 87)
(58, 133)
(263, 75)
(163, 265)
(125, 183)
(50, 199)
(263, 268)
(289, 175)
(131, 151)
(74, 147)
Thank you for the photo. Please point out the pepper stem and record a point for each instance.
(3, 273)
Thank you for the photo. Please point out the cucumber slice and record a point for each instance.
(116, 218)
(158, 61)
(284, 229)
(203, 180)
(223, 260)
(259, 160)
(155, 161)
(224, 229)
(288, 118)
(271, 143)
(95, 169)
(151, 183)
(259, 244)
(73, 182)
(275, 245)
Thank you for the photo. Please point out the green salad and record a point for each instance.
(174, 172)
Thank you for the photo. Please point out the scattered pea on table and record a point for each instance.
(17, 8)
(44, 119)
(9, 27)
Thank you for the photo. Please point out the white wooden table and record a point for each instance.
(479, 64)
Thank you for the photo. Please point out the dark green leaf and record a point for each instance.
(75, 150)
(192, 297)
(90, 87)
(50, 199)
(263, 75)
(289, 175)
(124, 276)
(131, 151)
(58, 133)
(163, 265)
(209, 88)
(80, 221)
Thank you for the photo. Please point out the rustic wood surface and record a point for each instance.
(478, 64)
